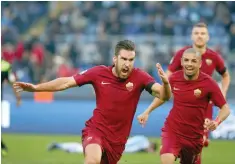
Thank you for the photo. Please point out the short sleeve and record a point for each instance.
(216, 95)
(147, 80)
(86, 77)
(220, 66)
(175, 63)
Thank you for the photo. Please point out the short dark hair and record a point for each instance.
(200, 24)
(124, 44)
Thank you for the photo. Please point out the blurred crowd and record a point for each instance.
(78, 35)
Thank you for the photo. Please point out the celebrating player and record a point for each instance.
(118, 89)
(182, 134)
(211, 61)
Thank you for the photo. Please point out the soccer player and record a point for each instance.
(118, 89)
(182, 133)
(8, 77)
(211, 61)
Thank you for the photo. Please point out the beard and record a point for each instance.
(199, 46)
(190, 77)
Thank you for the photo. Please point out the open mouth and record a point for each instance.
(189, 69)
(125, 70)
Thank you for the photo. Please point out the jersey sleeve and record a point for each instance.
(216, 95)
(86, 77)
(147, 81)
(220, 66)
(175, 63)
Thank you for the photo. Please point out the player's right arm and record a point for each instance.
(58, 84)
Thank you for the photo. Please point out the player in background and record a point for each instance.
(138, 143)
(211, 61)
(183, 130)
(7, 76)
(118, 89)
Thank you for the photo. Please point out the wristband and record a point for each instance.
(217, 120)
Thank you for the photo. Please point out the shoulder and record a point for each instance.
(208, 79)
(213, 53)
(94, 70)
(140, 72)
(176, 75)
(99, 68)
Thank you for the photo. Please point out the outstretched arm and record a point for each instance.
(58, 84)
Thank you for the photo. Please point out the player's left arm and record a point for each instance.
(217, 97)
(223, 71)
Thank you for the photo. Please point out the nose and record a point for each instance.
(189, 63)
(127, 63)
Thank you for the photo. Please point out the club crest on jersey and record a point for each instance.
(129, 86)
(197, 92)
(208, 61)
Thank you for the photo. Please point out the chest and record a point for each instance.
(112, 88)
(190, 92)
(208, 65)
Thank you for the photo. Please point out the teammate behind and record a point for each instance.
(134, 144)
(182, 133)
(211, 61)
(118, 89)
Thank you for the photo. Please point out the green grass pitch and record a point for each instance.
(32, 149)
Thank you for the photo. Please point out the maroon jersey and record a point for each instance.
(211, 61)
(116, 100)
(191, 99)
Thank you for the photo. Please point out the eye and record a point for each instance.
(124, 58)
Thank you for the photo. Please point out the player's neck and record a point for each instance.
(202, 50)
(195, 77)
(114, 72)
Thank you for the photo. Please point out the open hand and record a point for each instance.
(162, 74)
(20, 86)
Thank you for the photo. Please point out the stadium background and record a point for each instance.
(45, 40)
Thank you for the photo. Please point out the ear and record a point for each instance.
(114, 59)
(192, 35)
(181, 60)
(208, 38)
